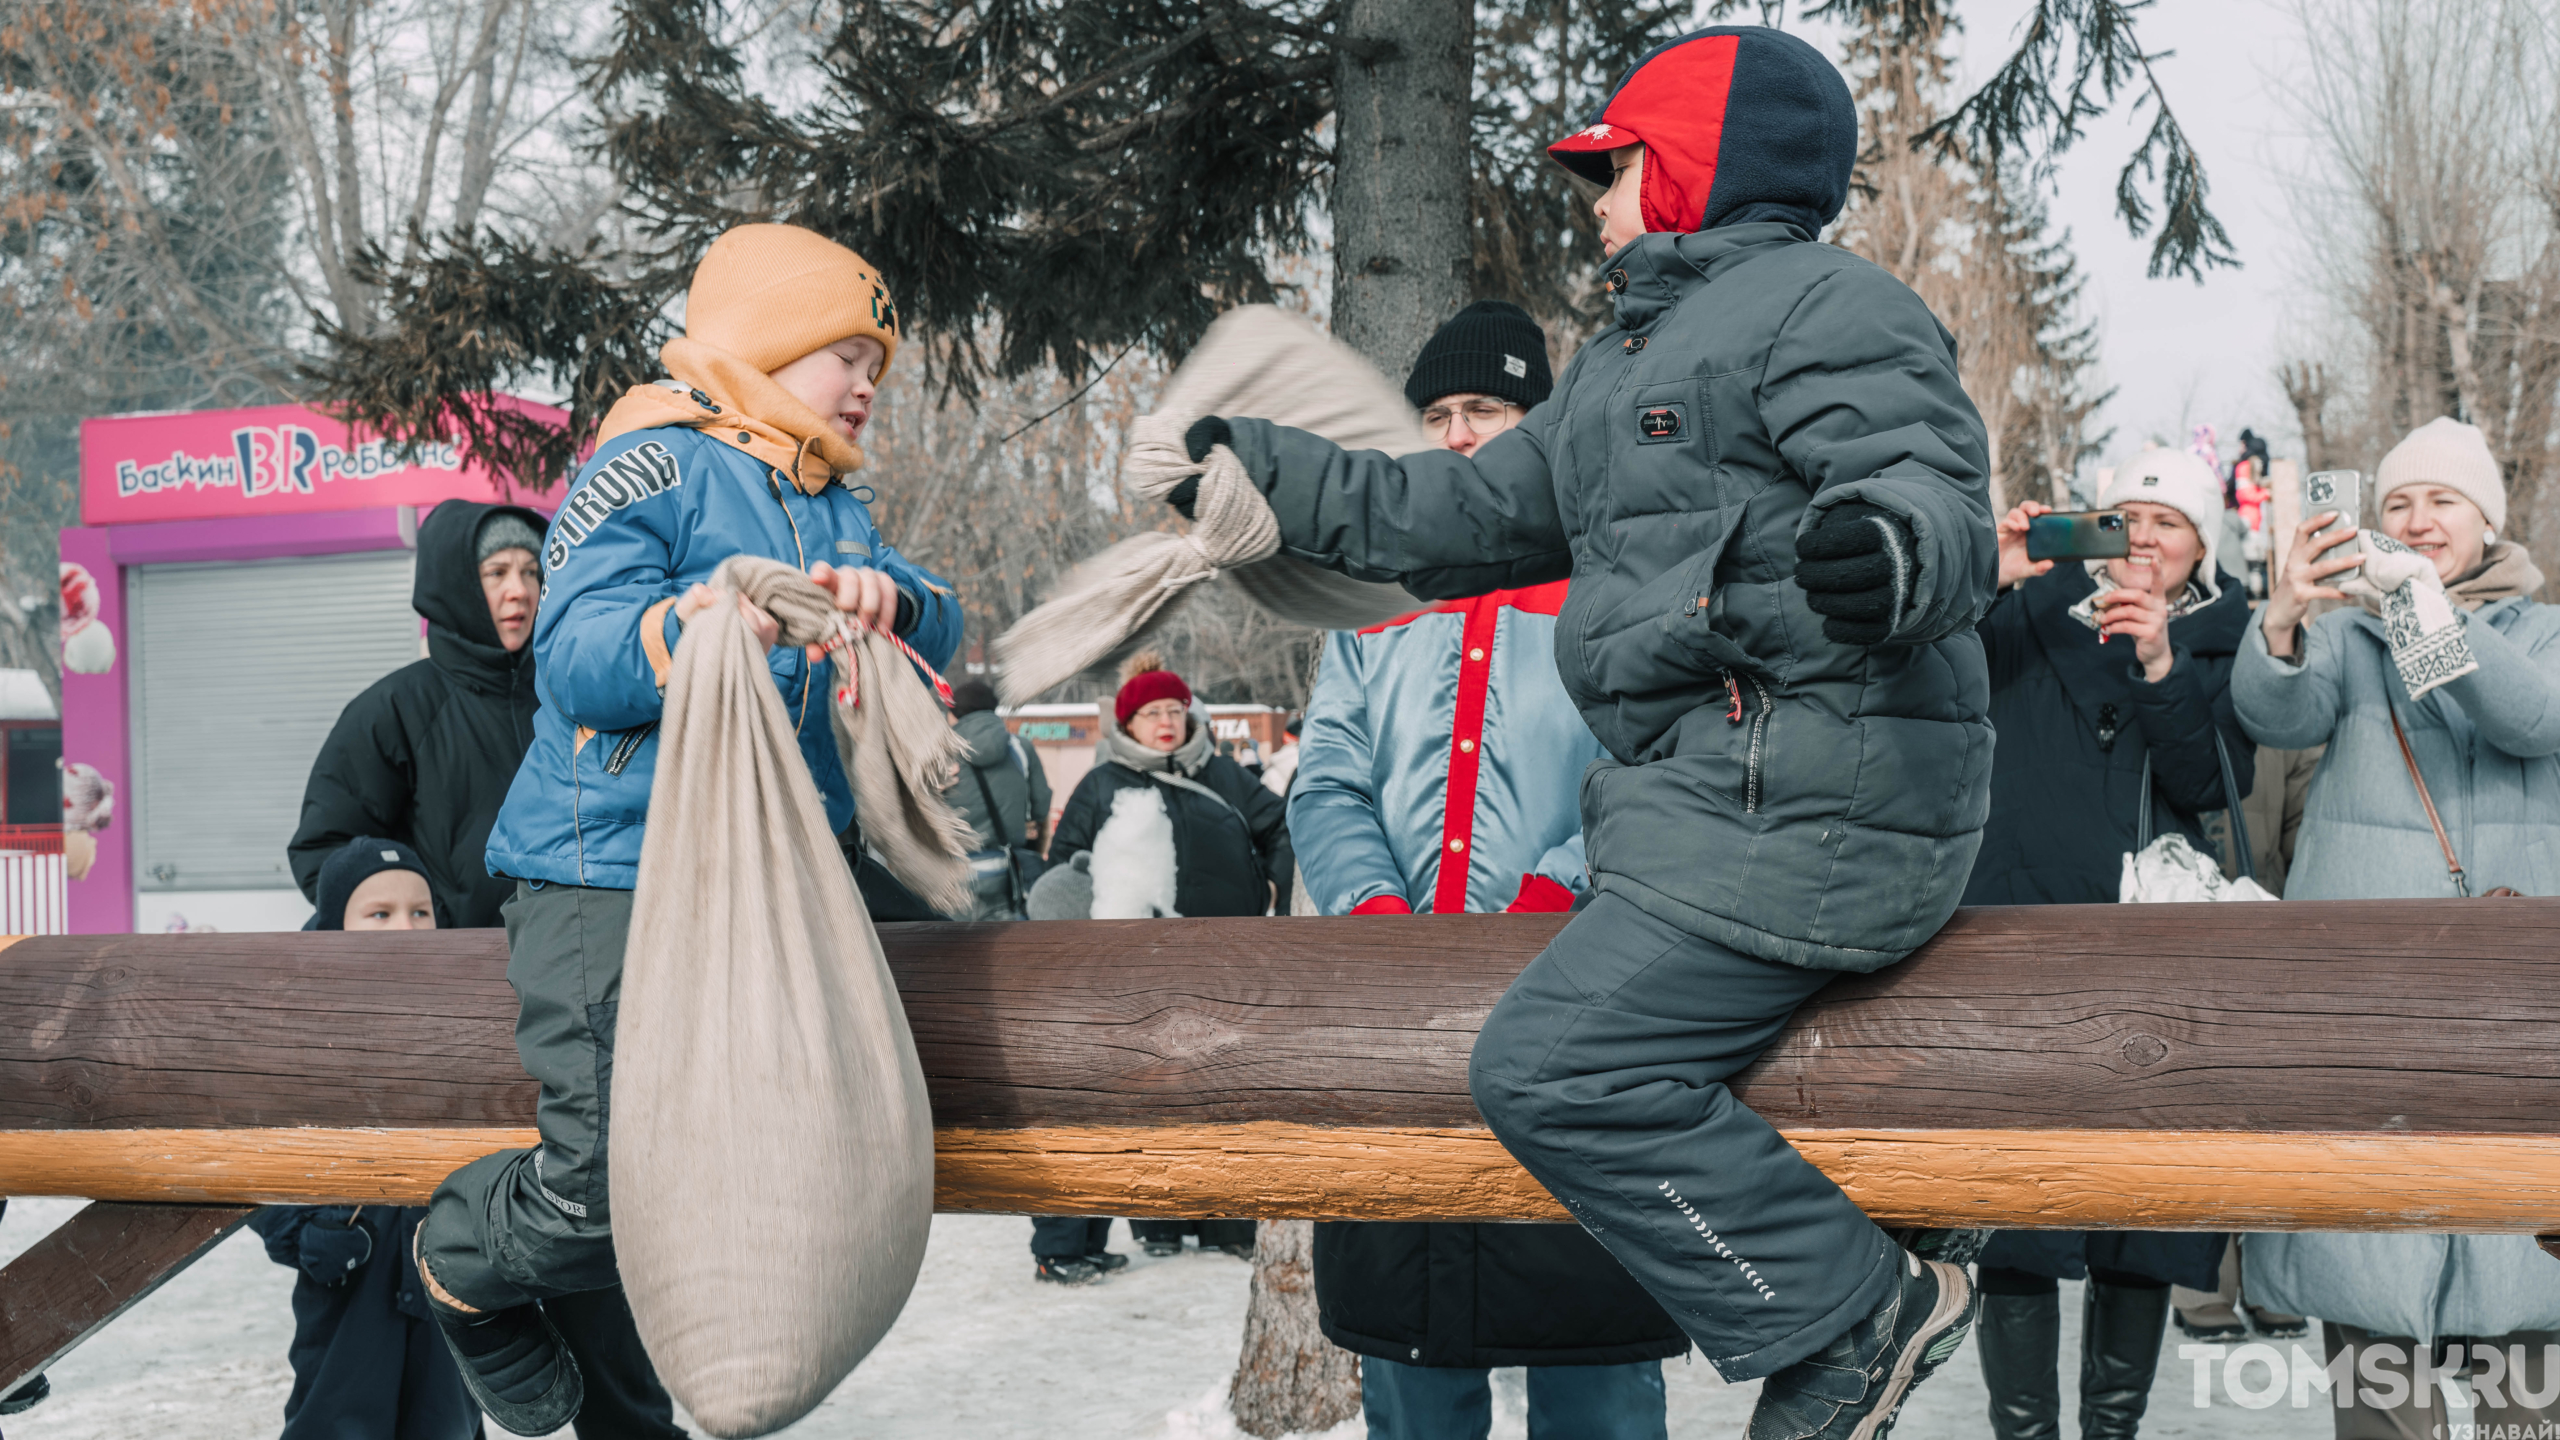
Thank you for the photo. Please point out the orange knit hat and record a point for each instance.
(769, 294)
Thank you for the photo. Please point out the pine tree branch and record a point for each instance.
(2041, 99)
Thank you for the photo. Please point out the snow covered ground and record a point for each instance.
(982, 1352)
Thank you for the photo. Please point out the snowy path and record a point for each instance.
(981, 1352)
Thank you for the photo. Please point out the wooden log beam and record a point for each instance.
(2353, 1065)
(91, 1269)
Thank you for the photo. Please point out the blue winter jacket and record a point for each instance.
(1463, 696)
(654, 512)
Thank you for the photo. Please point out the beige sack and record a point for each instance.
(1260, 361)
(771, 1164)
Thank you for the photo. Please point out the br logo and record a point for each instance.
(1660, 422)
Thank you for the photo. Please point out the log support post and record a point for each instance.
(94, 1267)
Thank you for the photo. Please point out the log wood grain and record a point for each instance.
(92, 1268)
(2296, 1024)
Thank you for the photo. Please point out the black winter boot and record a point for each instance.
(513, 1361)
(1852, 1388)
(2120, 1330)
(2019, 1339)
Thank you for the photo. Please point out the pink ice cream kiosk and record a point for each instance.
(237, 577)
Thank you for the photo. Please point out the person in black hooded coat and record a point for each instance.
(426, 754)
(2103, 674)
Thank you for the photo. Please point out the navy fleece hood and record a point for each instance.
(1739, 123)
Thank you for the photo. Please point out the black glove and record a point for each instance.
(1206, 434)
(1858, 568)
(333, 1249)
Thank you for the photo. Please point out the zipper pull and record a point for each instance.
(1733, 692)
(2107, 728)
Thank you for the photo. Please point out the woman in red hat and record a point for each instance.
(1161, 825)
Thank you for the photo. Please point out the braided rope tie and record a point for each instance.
(849, 694)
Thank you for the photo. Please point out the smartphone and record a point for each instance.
(2342, 491)
(2078, 535)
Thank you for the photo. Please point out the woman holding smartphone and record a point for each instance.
(2110, 688)
(2452, 657)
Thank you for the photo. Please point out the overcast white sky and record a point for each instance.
(2179, 353)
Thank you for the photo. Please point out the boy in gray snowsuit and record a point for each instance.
(1768, 490)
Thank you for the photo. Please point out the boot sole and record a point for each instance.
(1955, 1300)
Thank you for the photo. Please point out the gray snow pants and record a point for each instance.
(525, 1225)
(1603, 1073)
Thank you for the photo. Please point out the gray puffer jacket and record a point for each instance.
(1005, 771)
(1799, 800)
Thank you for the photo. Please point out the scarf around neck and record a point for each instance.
(1182, 762)
(2505, 572)
(733, 402)
(2191, 597)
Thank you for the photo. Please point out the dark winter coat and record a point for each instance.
(2189, 1258)
(1753, 380)
(1003, 792)
(425, 755)
(1476, 1296)
(1226, 857)
(1014, 779)
(367, 1360)
(2076, 720)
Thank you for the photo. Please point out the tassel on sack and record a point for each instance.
(765, 1085)
(1257, 360)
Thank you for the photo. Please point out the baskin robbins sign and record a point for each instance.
(270, 460)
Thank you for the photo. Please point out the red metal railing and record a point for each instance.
(31, 839)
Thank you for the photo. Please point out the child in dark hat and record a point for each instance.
(371, 883)
(366, 1356)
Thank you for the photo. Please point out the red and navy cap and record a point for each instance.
(1739, 123)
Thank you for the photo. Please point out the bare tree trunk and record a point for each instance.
(2306, 385)
(1291, 1377)
(1401, 256)
(1401, 248)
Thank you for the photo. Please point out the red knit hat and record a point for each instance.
(1147, 682)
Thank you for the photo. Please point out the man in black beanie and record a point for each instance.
(1479, 374)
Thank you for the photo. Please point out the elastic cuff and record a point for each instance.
(1540, 896)
(658, 632)
(1382, 905)
(904, 623)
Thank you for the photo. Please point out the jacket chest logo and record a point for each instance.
(1661, 424)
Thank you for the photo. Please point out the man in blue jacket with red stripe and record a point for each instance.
(1438, 773)
(748, 450)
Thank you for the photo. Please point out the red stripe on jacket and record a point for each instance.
(1483, 616)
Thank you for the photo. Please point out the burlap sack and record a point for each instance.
(1256, 360)
(771, 1160)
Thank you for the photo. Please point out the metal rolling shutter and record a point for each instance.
(239, 671)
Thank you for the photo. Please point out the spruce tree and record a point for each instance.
(1054, 183)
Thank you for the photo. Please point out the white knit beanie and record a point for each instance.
(2184, 483)
(2446, 452)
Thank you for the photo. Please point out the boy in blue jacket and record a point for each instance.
(746, 451)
